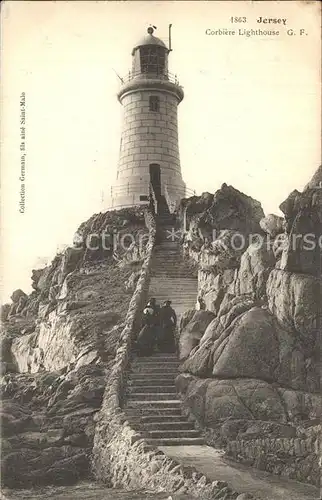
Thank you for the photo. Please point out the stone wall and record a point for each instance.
(294, 458)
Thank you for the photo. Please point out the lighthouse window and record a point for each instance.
(152, 60)
(154, 103)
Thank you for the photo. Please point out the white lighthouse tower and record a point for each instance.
(149, 162)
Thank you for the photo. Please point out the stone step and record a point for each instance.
(187, 279)
(157, 357)
(153, 396)
(172, 285)
(166, 434)
(168, 288)
(175, 295)
(166, 259)
(165, 366)
(167, 254)
(154, 389)
(150, 360)
(175, 441)
(155, 361)
(147, 382)
(170, 275)
(153, 377)
(156, 404)
(164, 418)
(152, 370)
(156, 367)
(164, 426)
(165, 290)
(171, 268)
(167, 263)
(154, 413)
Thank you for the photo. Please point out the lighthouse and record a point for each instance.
(149, 162)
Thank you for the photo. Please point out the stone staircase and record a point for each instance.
(153, 407)
(172, 277)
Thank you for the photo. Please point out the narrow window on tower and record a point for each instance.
(154, 103)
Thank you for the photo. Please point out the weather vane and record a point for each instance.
(151, 28)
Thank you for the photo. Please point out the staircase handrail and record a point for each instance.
(170, 202)
(154, 198)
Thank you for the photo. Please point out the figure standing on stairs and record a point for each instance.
(150, 325)
(168, 323)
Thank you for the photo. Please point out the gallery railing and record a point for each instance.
(165, 75)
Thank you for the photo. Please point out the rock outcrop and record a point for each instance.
(258, 359)
(58, 346)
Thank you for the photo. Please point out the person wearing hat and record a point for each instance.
(168, 323)
(146, 339)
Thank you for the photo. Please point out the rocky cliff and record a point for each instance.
(250, 372)
(58, 346)
(251, 362)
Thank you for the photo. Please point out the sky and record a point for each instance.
(250, 116)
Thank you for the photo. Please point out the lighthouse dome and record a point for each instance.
(149, 39)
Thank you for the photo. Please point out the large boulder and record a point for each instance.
(237, 404)
(295, 300)
(17, 295)
(228, 399)
(249, 349)
(229, 211)
(190, 207)
(232, 307)
(256, 263)
(272, 225)
(193, 331)
(233, 210)
(248, 341)
(214, 285)
(227, 249)
(303, 214)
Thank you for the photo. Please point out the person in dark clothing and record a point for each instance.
(156, 310)
(168, 323)
(146, 340)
